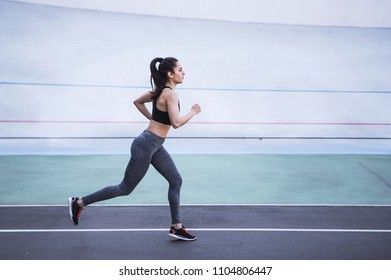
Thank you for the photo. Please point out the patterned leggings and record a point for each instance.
(146, 149)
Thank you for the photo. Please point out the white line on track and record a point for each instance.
(198, 229)
(202, 205)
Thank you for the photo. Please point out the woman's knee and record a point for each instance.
(124, 188)
(176, 181)
(174, 190)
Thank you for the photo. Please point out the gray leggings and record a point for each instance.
(146, 149)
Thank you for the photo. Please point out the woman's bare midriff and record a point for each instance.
(159, 129)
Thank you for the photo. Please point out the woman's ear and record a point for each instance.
(170, 74)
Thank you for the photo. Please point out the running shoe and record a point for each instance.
(181, 234)
(74, 210)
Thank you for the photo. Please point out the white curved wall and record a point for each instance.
(362, 13)
(68, 78)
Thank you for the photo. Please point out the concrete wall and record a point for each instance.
(362, 13)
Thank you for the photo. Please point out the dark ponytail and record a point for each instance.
(159, 76)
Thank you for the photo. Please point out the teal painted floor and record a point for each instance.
(208, 179)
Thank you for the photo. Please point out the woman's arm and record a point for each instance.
(140, 104)
(173, 111)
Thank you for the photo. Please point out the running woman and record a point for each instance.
(148, 148)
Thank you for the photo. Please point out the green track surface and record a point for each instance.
(208, 179)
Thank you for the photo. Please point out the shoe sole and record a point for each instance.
(70, 211)
(181, 237)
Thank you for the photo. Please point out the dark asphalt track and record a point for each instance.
(223, 232)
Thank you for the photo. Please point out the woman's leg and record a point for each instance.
(141, 153)
(164, 164)
(142, 150)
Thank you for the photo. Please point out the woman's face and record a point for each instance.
(178, 75)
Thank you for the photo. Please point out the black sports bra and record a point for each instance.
(160, 116)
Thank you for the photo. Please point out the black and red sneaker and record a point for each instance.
(74, 210)
(181, 234)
